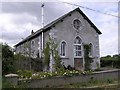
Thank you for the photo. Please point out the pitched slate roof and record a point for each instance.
(48, 26)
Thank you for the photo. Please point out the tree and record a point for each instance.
(27, 53)
(88, 60)
(108, 57)
(46, 57)
(0, 51)
(113, 61)
(51, 49)
(7, 60)
(116, 57)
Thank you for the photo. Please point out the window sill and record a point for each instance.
(91, 57)
(64, 57)
(78, 57)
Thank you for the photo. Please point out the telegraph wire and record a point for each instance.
(90, 9)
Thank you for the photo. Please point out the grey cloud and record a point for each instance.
(51, 10)
(29, 12)
(11, 36)
(25, 18)
(20, 7)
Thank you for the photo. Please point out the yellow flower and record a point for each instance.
(55, 72)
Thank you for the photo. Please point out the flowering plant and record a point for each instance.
(41, 75)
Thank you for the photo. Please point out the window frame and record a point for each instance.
(91, 50)
(61, 47)
(77, 50)
(80, 25)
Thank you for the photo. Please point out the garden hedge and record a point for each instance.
(112, 63)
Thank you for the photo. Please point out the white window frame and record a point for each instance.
(91, 50)
(61, 48)
(32, 44)
(78, 50)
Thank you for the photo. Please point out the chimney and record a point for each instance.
(32, 32)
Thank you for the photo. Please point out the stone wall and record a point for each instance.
(56, 81)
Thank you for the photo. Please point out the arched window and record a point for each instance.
(32, 44)
(91, 49)
(77, 47)
(63, 48)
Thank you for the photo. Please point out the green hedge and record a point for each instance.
(112, 63)
(27, 63)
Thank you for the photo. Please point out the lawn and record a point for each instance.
(104, 84)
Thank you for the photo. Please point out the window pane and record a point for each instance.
(76, 24)
(91, 49)
(75, 47)
(76, 53)
(63, 47)
(79, 48)
(77, 40)
(79, 53)
(63, 54)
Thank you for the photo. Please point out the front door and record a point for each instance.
(78, 63)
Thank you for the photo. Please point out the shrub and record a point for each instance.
(113, 61)
(24, 73)
(27, 63)
(7, 60)
(6, 84)
(88, 60)
(41, 75)
(109, 80)
(86, 72)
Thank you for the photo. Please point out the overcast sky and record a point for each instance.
(17, 19)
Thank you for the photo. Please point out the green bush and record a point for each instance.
(67, 73)
(112, 61)
(24, 73)
(27, 63)
(109, 80)
(88, 60)
(87, 72)
(6, 84)
(40, 75)
(7, 60)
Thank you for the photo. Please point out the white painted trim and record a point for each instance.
(83, 59)
(33, 44)
(65, 49)
(78, 44)
(73, 53)
(77, 36)
(92, 50)
(82, 56)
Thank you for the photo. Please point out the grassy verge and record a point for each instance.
(108, 83)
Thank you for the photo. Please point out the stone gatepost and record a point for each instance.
(12, 78)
